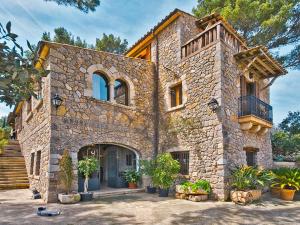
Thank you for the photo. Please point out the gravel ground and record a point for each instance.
(17, 207)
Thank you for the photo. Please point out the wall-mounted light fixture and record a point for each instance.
(57, 101)
(213, 104)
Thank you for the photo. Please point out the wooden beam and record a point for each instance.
(266, 66)
(260, 70)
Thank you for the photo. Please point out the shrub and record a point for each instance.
(66, 174)
(166, 170)
(245, 178)
(199, 184)
(132, 176)
(287, 178)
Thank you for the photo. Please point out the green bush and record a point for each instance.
(132, 176)
(287, 178)
(245, 178)
(166, 171)
(147, 167)
(66, 174)
(87, 167)
(199, 184)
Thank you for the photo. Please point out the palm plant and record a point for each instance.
(287, 178)
(248, 178)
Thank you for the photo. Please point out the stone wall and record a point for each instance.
(83, 120)
(34, 136)
(234, 138)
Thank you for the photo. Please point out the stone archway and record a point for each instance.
(114, 160)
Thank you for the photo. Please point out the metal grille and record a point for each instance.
(250, 105)
(183, 159)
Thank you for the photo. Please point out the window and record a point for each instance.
(251, 158)
(183, 159)
(176, 95)
(131, 159)
(31, 163)
(121, 92)
(38, 163)
(100, 87)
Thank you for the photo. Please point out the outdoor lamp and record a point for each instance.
(56, 101)
(213, 104)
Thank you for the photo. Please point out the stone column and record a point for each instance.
(112, 91)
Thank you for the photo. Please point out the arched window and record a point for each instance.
(100, 87)
(121, 92)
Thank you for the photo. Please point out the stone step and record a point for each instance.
(11, 158)
(117, 192)
(13, 174)
(14, 186)
(16, 181)
(12, 147)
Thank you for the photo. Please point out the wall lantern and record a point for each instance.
(56, 101)
(213, 104)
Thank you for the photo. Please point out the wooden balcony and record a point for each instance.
(255, 115)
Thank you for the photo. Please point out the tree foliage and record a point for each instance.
(82, 5)
(291, 124)
(61, 35)
(261, 22)
(18, 76)
(110, 43)
(286, 140)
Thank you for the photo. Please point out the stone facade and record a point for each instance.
(214, 140)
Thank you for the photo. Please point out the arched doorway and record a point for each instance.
(114, 160)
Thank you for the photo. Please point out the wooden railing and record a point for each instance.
(212, 34)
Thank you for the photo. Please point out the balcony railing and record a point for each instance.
(250, 105)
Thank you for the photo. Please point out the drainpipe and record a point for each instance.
(156, 100)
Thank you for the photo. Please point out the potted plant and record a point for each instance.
(87, 167)
(148, 168)
(66, 177)
(197, 191)
(275, 187)
(247, 183)
(165, 173)
(289, 181)
(132, 177)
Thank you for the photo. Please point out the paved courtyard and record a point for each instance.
(16, 207)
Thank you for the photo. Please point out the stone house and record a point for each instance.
(190, 86)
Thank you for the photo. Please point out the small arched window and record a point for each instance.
(121, 92)
(100, 87)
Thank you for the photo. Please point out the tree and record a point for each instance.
(291, 124)
(18, 76)
(82, 5)
(61, 35)
(286, 139)
(262, 22)
(110, 43)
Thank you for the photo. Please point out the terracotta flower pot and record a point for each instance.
(287, 194)
(132, 185)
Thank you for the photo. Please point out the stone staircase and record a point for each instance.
(13, 174)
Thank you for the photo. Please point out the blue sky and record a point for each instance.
(128, 19)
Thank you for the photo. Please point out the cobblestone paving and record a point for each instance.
(16, 207)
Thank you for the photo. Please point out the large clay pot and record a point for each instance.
(244, 197)
(256, 194)
(287, 194)
(69, 198)
(132, 185)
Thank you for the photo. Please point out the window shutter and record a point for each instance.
(257, 89)
(243, 86)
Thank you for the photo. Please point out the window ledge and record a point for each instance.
(112, 103)
(29, 116)
(176, 108)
